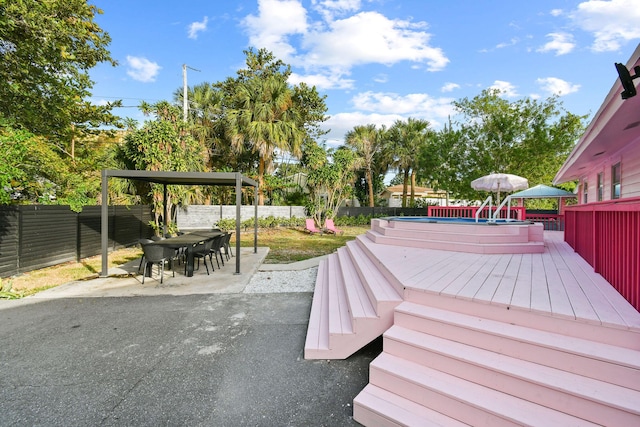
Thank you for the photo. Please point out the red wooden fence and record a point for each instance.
(607, 236)
(517, 212)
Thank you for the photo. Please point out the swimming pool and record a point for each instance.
(456, 220)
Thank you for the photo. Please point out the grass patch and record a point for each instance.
(293, 244)
(285, 245)
(49, 277)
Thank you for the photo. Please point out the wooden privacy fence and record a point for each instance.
(607, 236)
(33, 237)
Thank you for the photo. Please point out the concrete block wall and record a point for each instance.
(206, 216)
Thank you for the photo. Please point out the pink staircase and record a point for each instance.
(468, 337)
(352, 305)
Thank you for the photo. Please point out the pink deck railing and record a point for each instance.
(607, 236)
(470, 212)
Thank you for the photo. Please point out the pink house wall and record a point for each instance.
(629, 160)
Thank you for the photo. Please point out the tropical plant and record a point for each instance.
(329, 181)
(366, 142)
(407, 139)
(162, 144)
(263, 114)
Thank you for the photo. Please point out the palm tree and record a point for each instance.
(263, 119)
(366, 141)
(409, 138)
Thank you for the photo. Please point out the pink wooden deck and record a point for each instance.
(479, 338)
(556, 284)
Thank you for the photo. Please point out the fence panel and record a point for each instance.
(381, 211)
(9, 240)
(33, 237)
(607, 236)
(48, 236)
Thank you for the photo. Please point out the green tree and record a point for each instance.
(527, 137)
(329, 182)
(262, 113)
(163, 144)
(47, 49)
(408, 139)
(367, 143)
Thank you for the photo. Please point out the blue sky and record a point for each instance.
(377, 61)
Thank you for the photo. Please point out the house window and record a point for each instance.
(584, 191)
(615, 181)
(601, 186)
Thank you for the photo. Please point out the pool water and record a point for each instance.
(456, 220)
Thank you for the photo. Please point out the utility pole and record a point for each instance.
(185, 101)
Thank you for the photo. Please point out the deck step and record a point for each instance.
(599, 402)
(381, 291)
(464, 400)
(343, 318)
(462, 234)
(375, 406)
(447, 245)
(604, 362)
(317, 340)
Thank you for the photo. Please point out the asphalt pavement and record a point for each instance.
(219, 358)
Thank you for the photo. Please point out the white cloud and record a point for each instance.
(514, 41)
(418, 105)
(370, 37)
(611, 22)
(341, 123)
(556, 12)
(556, 86)
(197, 27)
(381, 78)
(334, 46)
(506, 88)
(141, 69)
(561, 44)
(276, 20)
(322, 81)
(449, 87)
(331, 8)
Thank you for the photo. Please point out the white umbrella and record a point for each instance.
(497, 182)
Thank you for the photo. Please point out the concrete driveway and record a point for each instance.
(105, 352)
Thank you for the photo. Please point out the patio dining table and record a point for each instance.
(187, 241)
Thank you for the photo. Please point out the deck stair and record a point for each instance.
(482, 372)
(470, 237)
(352, 305)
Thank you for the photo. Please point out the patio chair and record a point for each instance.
(202, 250)
(143, 242)
(311, 228)
(227, 245)
(216, 249)
(331, 228)
(155, 254)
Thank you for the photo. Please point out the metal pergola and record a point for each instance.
(235, 179)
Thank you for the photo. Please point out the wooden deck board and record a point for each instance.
(582, 308)
(540, 300)
(522, 292)
(557, 282)
(476, 282)
(504, 293)
(433, 271)
(490, 286)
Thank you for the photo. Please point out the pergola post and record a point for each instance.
(255, 225)
(238, 216)
(104, 225)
